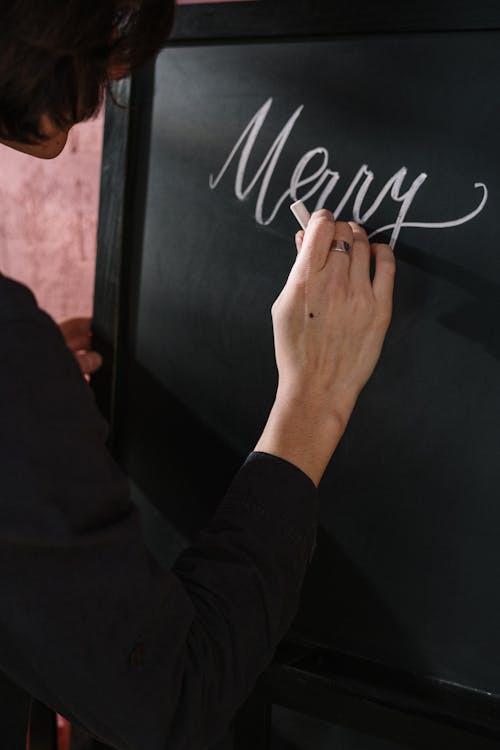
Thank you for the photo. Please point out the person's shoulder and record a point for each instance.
(15, 298)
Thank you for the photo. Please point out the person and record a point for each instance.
(90, 623)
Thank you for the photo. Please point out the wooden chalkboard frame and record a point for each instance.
(271, 19)
(389, 706)
(121, 210)
(346, 690)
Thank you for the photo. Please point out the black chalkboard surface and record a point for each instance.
(402, 132)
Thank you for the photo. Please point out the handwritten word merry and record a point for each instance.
(325, 180)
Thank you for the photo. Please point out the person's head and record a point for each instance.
(57, 58)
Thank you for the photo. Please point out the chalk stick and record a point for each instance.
(301, 213)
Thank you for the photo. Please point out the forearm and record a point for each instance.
(305, 432)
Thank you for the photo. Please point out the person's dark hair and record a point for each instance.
(55, 56)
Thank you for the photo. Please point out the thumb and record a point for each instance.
(299, 239)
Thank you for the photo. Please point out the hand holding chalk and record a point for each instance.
(329, 322)
(343, 234)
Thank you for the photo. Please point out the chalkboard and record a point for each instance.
(402, 132)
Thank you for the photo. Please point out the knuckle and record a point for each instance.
(344, 230)
(358, 230)
(322, 215)
(323, 234)
(384, 254)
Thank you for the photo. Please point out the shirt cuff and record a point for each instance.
(283, 493)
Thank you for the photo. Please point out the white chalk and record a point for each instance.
(301, 213)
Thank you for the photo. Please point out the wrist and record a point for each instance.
(317, 403)
(301, 430)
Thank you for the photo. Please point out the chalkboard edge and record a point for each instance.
(121, 210)
(241, 21)
(430, 699)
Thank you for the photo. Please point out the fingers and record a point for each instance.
(359, 272)
(89, 362)
(318, 238)
(299, 239)
(315, 243)
(344, 233)
(77, 333)
(82, 342)
(78, 338)
(314, 248)
(383, 281)
(75, 327)
(338, 262)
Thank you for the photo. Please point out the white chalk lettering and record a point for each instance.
(325, 179)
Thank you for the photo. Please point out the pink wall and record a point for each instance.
(48, 221)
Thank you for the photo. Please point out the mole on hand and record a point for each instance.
(311, 315)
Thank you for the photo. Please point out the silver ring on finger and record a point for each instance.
(340, 246)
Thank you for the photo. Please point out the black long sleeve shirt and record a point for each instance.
(90, 624)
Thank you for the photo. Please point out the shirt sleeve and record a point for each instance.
(90, 624)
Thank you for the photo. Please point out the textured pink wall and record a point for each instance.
(48, 221)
